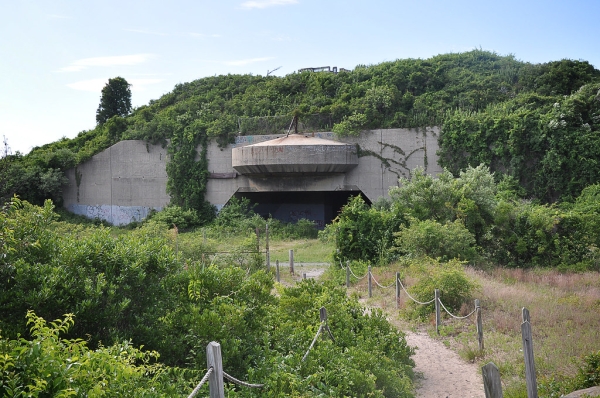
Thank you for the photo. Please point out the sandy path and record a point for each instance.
(442, 372)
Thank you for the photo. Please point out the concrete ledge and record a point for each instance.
(295, 154)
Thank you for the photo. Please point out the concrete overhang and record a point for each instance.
(294, 154)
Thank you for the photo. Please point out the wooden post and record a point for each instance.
(323, 314)
(526, 316)
(437, 311)
(397, 290)
(347, 274)
(257, 239)
(528, 354)
(479, 325)
(277, 270)
(291, 261)
(491, 381)
(268, 262)
(268, 253)
(214, 360)
(176, 232)
(370, 284)
(304, 275)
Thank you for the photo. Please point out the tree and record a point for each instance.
(115, 100)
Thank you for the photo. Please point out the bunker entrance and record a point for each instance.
(321, 207)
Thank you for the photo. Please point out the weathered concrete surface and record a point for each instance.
(128, 179)
(119, 185)
(295, 154)
(383, 157)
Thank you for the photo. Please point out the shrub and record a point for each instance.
(450, 278)
(175, 216)
(49, 365)
(430, 238)
(364, 233)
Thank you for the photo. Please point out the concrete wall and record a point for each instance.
(119, 185)
(384, 156)
(126, 181)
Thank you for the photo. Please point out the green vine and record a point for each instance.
(77, 181)
(188, 171)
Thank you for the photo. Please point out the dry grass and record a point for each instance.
(565, 318)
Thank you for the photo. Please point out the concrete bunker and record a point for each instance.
(297, 176)
(305, 175)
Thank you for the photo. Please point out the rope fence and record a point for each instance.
(436, 299)
(412, 298)
(323, 315)
(455, 316)
(215, 373)
(241, 383)
(204, 380)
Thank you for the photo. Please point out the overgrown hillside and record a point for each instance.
(510, 115)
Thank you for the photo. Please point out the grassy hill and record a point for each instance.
(535, 122)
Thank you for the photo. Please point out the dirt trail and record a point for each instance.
(442, 373)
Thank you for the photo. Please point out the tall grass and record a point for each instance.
(565, 319)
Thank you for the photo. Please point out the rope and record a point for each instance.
(241, 383)
(412, 298)
(206, 376)
(454, 316)
(329, 331)
(313, 342)
(377, 283)
(357, 276)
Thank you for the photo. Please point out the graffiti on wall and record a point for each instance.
(115, 215)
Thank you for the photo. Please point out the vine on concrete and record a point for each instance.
(188, 172)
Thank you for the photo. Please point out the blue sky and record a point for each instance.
(55, 56)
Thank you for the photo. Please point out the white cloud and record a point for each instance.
(267, 3)
(96, 85)
(242, 62)
(120, 60)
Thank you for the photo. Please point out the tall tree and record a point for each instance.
(115, 100)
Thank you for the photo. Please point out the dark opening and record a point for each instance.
(321, 207)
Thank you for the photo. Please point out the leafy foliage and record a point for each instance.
(497, 110)
(115, 100)
(361, 232)
(548, 144)
(175, 217)
(470, 217)
(48, 365)
(450, 278)
(132, 288)
(430, 238)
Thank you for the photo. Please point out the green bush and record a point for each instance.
(361, 232)
(175, 216)
(49, 365)
(588, 375)
(432, 239)
(450, 278)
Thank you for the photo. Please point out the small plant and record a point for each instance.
(450, 278)
(176, 217)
